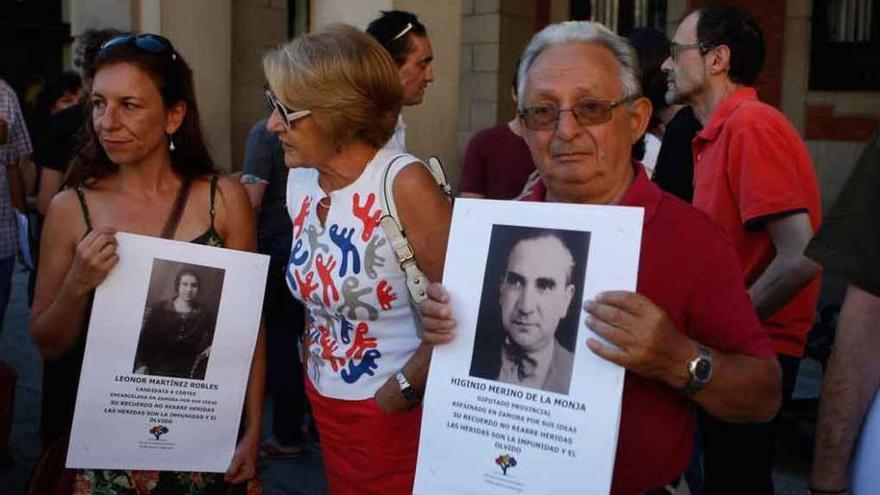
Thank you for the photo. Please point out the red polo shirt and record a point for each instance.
(750, 164)
(690, 270)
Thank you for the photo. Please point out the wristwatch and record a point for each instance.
(700, 371)
(409, 393)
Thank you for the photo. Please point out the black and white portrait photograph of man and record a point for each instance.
(179, 320)
(528, 318)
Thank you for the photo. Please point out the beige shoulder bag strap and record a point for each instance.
(416, 281)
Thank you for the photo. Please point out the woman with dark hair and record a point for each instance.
(54, 153)
(172, 79)
(142, 168)
(62, 93)
(177, 333)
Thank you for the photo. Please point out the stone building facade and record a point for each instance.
(476, 44)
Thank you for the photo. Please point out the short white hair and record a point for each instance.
(569, 32)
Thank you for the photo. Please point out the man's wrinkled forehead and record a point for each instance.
(588, 68)
(549, 81)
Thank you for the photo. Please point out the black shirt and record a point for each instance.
(57, 147)
(674, 172)
(848, 242)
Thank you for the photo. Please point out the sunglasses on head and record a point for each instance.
(152, 43)
(405, 30)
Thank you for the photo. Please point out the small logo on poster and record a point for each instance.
(158, 430)
(505, 461)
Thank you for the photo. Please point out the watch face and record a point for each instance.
(410, 394)
(703, 369)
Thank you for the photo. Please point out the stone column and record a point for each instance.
(257, 27)
(432, 127)
(494, 34)
(358, 13)
(479, 73)
(201, 31)
(100, 14)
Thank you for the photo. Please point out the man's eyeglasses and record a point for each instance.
(149, 42)
(288, 114)
(675, 49)
(587, 112)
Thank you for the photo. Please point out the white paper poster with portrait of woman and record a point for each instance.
(517, 403)
(168, 353)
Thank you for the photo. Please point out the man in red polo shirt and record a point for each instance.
(754, 177)
(581, 110)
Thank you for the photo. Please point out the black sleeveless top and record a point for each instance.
(61, 376)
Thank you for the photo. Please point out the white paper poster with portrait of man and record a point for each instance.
(168, 354)
(517, 403)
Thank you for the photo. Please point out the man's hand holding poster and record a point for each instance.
(516, 402)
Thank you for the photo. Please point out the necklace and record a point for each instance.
(322, 204)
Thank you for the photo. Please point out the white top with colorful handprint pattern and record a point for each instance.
(362, 327)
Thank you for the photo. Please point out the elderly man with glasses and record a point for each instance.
(754, 177)
(688, 336)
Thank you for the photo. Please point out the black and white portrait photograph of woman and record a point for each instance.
(179, 320)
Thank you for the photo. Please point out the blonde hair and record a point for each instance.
(344, 77)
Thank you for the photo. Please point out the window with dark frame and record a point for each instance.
(297, 17)
(621, 16)
(845, 49)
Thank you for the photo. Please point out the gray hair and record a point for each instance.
(581, 32)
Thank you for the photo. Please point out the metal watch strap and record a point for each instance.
(408, 391)
(694, 383)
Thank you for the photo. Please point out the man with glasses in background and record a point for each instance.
(406, 40)
(688, 336)
(754, 177)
